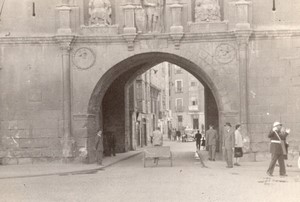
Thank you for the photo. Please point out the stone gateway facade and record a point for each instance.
(62, 77)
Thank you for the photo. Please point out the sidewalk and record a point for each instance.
(47, 169)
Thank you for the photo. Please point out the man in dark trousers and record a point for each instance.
(228, 145)
(99, 147)
(277, 149)
(198, 137)
(111, 142)
(211, 139)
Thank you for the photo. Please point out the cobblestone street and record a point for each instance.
(185, 181)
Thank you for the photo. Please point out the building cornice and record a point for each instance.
(187, 37)
(268, 34)
(28, 40)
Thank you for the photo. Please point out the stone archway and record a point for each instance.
(109, 95)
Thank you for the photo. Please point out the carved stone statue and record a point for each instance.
(154, 14)
(140, 19)
(100, 12)
(207, 10)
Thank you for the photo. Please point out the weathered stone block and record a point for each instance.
(296, 81)
(81, 142)
(200, 27)
(39, 143)
(80, 133)
(255, 119)
(260, 147)
(45, 123)
(25, 161)
(45, 133)
(101, 30)
(10, 161)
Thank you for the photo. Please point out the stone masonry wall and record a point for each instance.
(30, 104)
(274, 89)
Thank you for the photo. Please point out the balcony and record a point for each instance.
(193, 108)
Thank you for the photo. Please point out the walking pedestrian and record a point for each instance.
(277, 149)
(198, 137)
(99, 147)
(211, 141)
(111, 138)
(157, 141)
(238, 144)
(228, 145)
(203, 140)
(174, 134)
(178, 134)
(285, 134)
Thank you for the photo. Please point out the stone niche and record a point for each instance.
(207, 17)
(100, 20)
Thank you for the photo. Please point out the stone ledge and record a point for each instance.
(202, 27)
(100, 30)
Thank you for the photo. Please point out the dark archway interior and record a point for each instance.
(109, 95)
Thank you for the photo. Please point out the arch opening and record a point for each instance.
(111, 99)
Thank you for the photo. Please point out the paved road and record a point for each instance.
(185, 181)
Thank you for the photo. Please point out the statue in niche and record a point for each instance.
(207, 11)
(100, 12)
(154, 11)
(140, 19)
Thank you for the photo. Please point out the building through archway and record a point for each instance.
(112, 98)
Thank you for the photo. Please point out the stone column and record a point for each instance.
(243, 33)
(176, 29)
(67, 139)
(129, 25)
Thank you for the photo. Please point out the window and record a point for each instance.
(194, 101)
(193, 83)
(179, 104)
(179, 118)
(178, 86)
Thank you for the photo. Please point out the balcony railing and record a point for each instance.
(193, 108)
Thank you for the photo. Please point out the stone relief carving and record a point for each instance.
(225, 53)
(100, 12)
(207, 10)
(84, 58)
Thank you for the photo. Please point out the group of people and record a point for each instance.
(232, 146)
(232, 142)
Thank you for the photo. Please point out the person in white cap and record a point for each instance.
(276, 149)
